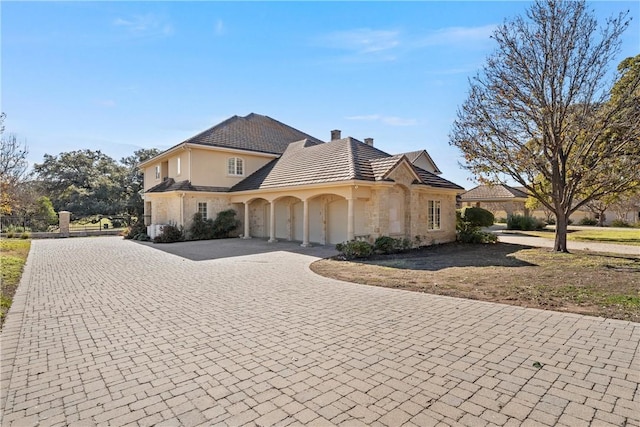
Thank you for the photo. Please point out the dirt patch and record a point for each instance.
(585, 283)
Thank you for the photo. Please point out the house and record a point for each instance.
(502, 200)
(286, 184)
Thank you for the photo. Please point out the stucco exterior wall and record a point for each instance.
(210, 167)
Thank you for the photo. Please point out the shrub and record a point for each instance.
(501, 220)
(355, 249)
(201, 229)
(525, 223)
(170, 233)
(136, 229)
(206, 229)
(620, 223)
(10, 235)
(225, 223)
(588, 221)
(389, 245)
(25, 235)
(477, 216)
(143, 237)
(476, 236)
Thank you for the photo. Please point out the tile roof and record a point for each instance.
(339, 160)
(171, 185)
(253, 132)
(492, 192)
(433, 180)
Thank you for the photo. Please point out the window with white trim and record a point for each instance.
(202, 209)
(433, 215)
(158, 172)
(178, 167)
(235, 166)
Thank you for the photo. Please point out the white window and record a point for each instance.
(178, 167)
(433, 215)
(202, 209)
(235, 166)
(158, 172)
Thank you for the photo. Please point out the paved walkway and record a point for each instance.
(112, 332)
(542, 242)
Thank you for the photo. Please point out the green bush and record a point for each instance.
(355, 249)
(476, 236)
(620, 223)
(525, 223)
(170, 233)
(390, 245)
(25, 235)
(477, 216)
(225, 223)
(588, 221)
(206, 229)
(143, 237)
(135, 230)
(201, 229)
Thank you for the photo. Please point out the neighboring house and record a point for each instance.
(285, 184)
(502, 200)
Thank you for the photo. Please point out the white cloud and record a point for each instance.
(457, 36)
(387, 120)
(149, 25)
(219, 28)
(364, 43)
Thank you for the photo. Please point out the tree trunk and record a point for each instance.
(560, 244)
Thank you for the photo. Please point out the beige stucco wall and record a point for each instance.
(210, 167)
(202, 167)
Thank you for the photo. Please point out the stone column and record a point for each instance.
(272, 223)
(64, 220)
(247, 231)
(305, 224)
(350, 219)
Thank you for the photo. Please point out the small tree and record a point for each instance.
(43, 214)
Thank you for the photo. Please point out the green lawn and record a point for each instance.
(13, 255)
(625, 237)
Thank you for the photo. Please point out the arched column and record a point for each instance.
(272, 222)
(350, 219)
(305, 223)
(247, 231)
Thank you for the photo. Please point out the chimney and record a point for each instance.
(335, 134)
(369, 141)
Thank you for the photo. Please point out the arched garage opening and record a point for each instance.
(288, 224)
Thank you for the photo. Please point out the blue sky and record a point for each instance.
(118, 76)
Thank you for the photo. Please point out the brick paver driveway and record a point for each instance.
(106, 331)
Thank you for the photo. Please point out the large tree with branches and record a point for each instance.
(543, 113)
(13, 168)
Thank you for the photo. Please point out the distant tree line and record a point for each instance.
(84, 182)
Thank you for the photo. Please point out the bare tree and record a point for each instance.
(541, 111)
(13, 167)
